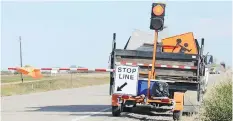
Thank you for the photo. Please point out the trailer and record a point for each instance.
(176, 73)
(159, 77)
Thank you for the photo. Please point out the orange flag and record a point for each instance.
(30, 71)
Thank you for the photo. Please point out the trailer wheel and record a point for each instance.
(127, 109)
(177, 115)
(116, 110)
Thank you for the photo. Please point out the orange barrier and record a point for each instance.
(30, 71)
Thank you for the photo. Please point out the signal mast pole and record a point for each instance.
(157, 23)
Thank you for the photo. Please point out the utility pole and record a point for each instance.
(21, 63)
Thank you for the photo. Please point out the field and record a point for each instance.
(17, 79)
(11, 85)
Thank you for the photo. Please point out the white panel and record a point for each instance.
(126, 79)
(139, 38)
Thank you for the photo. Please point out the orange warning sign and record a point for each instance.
(183, 43)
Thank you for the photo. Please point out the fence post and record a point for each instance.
(32, 86)
(50, 84)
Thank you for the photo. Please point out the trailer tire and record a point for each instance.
(177, 115)
(127, 109)
(116, 110)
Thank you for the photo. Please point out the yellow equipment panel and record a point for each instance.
(183, 43)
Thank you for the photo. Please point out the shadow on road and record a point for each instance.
(144, 114)
(68, 108)
(82, 110)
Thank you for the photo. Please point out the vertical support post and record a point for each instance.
(151, 73)
(112, 64)
(21, 63)
(154, 54)
(148, 85)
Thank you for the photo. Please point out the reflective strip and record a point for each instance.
(140, 64)
(46, 69)
(109, 70)
(174, 66)
(73, 69)
(129, 64)
(63, 69)
(158, 65)
(187, 67)
(163, 65)
(12, 69)
(55, 69)
(82, 69)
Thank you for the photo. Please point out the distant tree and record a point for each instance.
(16, 72)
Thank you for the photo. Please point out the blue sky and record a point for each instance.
(80, 33)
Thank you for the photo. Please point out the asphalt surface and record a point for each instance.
(80, 104)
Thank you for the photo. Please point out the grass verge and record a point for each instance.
(218, 105)
(59, 82)
(17, 78)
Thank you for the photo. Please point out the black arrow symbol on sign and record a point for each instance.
(122, 86)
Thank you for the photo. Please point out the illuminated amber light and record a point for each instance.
(158, 10)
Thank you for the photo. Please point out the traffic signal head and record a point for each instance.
(157, 16)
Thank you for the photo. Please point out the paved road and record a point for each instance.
(80, 104)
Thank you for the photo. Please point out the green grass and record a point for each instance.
(59, 82)
(218, 105)
(17, 78)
